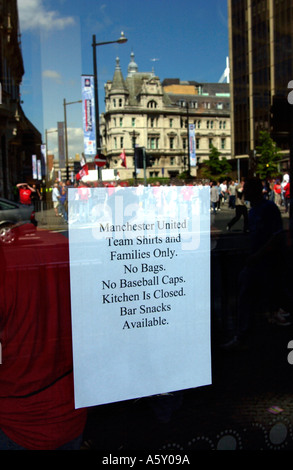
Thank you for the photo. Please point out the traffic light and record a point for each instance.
(150, 160)
(77, 167)
(138, 156)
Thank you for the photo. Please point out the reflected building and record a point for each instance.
(261, 65)
(143, 111)
(19, 139)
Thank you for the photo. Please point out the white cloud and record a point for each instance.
(74, 139)
(33, 15)
(53, 75)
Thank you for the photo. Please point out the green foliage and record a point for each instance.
(268, 156)
(215, 168)
(184, 175)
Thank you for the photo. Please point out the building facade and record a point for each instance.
(261, 65)
(142, 111)
(19, 139)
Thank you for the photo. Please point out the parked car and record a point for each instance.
(15, 219)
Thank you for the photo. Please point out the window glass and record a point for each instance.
(86, 114)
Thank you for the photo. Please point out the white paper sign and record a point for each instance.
(140, 291)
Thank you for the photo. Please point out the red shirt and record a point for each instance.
(25, 196)
(83, 193)
(36, 383)
(287, 190)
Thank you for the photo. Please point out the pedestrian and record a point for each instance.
(63, 201)
(287, 197)
(224, 190)
(271, 194)
(232, 195)
(258, 288)
(214, 196)
(56, 199)
(37, 410)
(240, 208)
(265, 189)
(36, 197)
(285, 180)
(278, 193)
(220, 196)
(25, 193)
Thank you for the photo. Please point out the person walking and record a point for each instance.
(278, 193)
(63, 201)
(220, 196)
(232, 194)
(56, 199)
(36, 197)
(214, 197)
(240, 208)
(258, 289)
(224, 188)
(287, 197)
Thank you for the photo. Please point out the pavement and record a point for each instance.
(248, 406)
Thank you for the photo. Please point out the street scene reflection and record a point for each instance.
(146, 226)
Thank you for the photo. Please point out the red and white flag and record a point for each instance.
(83, 172)
(123, 156)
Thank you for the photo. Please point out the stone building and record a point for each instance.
(19, 139)
(261, 62)
(142, 111)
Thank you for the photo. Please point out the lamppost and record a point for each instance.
(65, 126)
(121, 40)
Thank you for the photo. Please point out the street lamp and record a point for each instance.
(121, 40)
(66, 140)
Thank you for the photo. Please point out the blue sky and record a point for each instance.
(187, 38)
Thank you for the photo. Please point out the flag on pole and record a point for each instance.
(82, 161)
(83, 172)
(123, 156)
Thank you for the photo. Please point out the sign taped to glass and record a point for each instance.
(140, 291)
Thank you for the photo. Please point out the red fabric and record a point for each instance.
(83, 193)
(35, 334)
(123, 156)
(25, 196)
(187, 192)
(287, 190)
(83, 172)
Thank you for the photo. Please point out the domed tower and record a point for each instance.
(132, 67)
